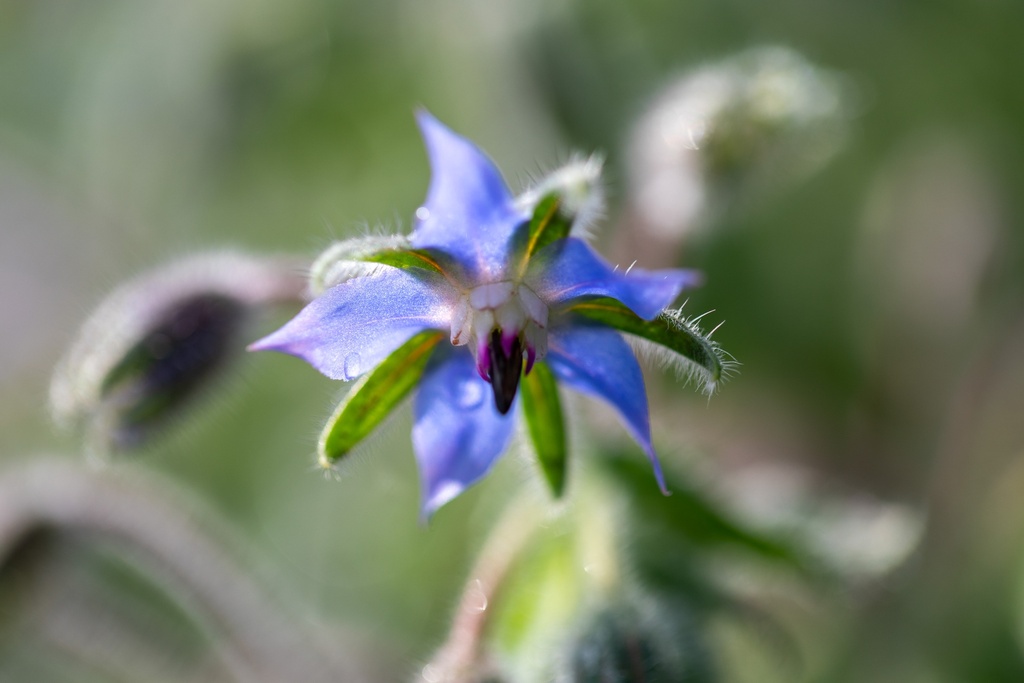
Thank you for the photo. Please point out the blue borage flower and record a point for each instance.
(521, 300)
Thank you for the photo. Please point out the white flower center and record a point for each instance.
(510, 308)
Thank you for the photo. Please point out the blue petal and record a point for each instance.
(569, 269)
(355, 325)
(469, 213)
(458, 432)
(598, 361)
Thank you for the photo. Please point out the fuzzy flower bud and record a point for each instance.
(622, 645)
(763, 115)
(159, 339)
(577, 185)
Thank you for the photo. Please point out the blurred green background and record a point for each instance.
(875, 303)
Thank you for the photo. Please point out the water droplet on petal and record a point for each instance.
(423, 213)
(471, 395)
(352, 362)
(430, 674)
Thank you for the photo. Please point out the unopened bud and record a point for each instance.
(621, 644)
(579, 190)
(159, 339)
(761, 116)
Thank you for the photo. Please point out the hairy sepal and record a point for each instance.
(348, 259)
(362, 256)
(547, 225)
(375, 396)
(578, 187)
(542, 408)
(692, 352)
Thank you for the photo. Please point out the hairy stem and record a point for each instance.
(459, 659)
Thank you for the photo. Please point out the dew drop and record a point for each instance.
(431, 674)
(471, 395)
(477, 598)
(423, 213)
(352, 362)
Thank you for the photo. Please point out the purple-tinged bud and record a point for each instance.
(158, 341)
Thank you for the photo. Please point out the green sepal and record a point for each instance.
(408, 258)
(358, 257)
(548, 224)
(374, 396)
(669, 329)
(543, 410)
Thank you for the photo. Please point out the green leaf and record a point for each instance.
(695, 518)
(704, 359)
(543, 410)
(374, 396)
(547, 225)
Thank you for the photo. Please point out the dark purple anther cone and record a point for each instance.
(505, 371)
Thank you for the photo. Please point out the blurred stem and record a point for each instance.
(970, 403)
(289, 284)
(595, 522)
(253, 635)
(459, 659)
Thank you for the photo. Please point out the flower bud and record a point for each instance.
(622, 644)
(761, 116)
(577, 185)
(159, 339)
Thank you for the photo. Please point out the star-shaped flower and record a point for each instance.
(489, 301)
